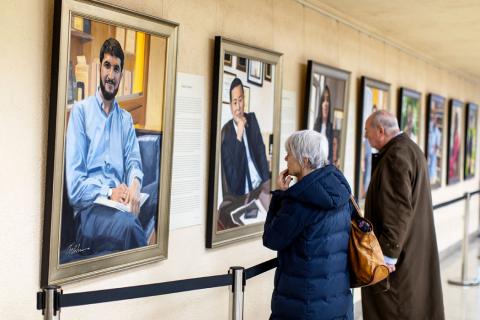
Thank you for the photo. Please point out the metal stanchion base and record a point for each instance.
(465, 283)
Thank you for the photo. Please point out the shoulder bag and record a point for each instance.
(367, 266)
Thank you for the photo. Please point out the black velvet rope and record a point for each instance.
(474, 192)
(149, 290)
(261, 268)
(449, 202)
(91, 297)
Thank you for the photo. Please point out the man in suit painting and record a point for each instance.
(245, 171)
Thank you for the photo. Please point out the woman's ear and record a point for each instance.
(306, 162)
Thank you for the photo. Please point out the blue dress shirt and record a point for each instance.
(101, 151)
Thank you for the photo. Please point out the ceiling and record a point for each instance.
(446, 32)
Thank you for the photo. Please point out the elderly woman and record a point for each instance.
(309, 225)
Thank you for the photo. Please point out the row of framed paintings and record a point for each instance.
(459, 132)
(236, 206)
(326, 111)
(244, 140)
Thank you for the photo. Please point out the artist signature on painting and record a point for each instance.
(74, 248)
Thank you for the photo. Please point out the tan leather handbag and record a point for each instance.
(366, 262)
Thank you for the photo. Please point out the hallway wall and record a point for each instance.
(281, 25)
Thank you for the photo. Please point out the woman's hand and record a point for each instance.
(283, 180)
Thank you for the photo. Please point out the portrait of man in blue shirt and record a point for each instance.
(103, 160)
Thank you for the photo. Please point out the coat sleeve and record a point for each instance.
(285, 221)
(82, 189)
(258, 147)
(233, 161)
(132, 157)
(395, 203)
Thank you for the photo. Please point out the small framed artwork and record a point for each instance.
(409, 113)
(470, 140)
(455, 128)
(435, 124)
(241, 64)
(227, 80)
(268, 72)
(255, 72)
(246, 98)
(326, 102)
(374, 95)
(228, 59)
(110, 142)
(244, 142)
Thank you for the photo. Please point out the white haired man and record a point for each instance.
(399, 205)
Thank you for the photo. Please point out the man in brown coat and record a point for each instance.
(399, 205)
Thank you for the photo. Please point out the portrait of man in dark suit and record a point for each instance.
(244, 166)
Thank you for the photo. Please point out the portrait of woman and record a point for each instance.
(326, 104)
(323, 122)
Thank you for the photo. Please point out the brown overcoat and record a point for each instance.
(399, 205)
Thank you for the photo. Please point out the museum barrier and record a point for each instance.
(51, 299)
(464, 280)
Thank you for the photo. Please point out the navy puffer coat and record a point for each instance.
(309, 226)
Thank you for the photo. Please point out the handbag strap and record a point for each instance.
(357, 208)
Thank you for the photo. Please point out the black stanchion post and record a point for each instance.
(463, 281)
(236, 294)
(48, 300)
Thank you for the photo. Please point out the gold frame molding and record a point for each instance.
(52, 271)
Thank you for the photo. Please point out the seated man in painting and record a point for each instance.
(103, 160)
(245, 172)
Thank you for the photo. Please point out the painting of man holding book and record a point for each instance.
(103, 169)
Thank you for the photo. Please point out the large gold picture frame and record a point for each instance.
(146, 93)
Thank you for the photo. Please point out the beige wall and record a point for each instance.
(281, 25)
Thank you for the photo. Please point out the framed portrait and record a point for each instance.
(374, 95)
(228, 59)
(409, 113)
(110, 141)
(244, 144)
(246, 98)
(255, 72)
(326, 103)
(268, 72)
(470, 140)
(455, 124)
(227, 79)
(435, 124)
(241, 64)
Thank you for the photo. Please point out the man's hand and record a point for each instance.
(241, 124)
(133, 196)
(391, 267)
(283, 180)
(120, 193)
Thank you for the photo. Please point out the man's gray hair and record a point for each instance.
(386, 120)
(308, 144)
